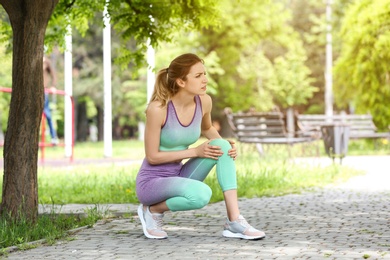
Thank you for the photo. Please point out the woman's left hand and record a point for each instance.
(232, 152)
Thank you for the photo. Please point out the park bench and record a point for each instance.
(360, 126)
(259, 128)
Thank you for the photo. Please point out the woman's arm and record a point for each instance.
(208, 130)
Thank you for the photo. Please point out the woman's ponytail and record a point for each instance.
(161, 90)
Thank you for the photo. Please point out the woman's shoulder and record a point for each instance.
(205, 98)
(155, 108)
(206, 102)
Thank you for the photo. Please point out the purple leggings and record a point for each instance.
(181, 185)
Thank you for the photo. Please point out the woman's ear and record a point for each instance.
(180, 82)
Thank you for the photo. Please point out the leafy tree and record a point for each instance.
(362, 74)
(240, 38)
(290, 83)
(258, 78)
(138, 20)
(261, 57)
(309, 20)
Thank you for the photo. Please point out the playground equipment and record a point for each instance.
(43, 144)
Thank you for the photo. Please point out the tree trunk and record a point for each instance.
(29, 20)
(100, 122)
(290, 122)
(82, 120)
(117, 129)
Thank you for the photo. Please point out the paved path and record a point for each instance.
(350, 221)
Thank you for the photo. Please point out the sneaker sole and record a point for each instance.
(140, 212)
(227, 233)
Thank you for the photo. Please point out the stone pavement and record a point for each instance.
(348, 221)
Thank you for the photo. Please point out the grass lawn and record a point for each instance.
(271, 175)
(124, 149)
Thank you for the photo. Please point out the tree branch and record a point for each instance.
(68, 6)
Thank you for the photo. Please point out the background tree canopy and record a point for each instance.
(362, 75)
(133, 23)
(258, 55)
(245, 56)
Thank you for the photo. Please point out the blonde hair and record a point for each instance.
(166, 86)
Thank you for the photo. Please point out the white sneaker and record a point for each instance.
(241, 229)
(54, 141)
(151, 223)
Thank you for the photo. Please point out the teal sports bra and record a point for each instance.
(175, 136)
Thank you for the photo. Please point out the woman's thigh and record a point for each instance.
(197, 168)
(162, 189)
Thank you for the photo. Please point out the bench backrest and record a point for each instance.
(359, 124)
(256, 124)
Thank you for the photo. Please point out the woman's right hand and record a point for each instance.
(206, 150)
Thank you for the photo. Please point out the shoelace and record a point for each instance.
(243, 222)
(158, 221)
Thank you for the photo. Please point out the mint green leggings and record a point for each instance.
(182, 186)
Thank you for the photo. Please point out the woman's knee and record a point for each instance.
(224, 144)
(201, 197)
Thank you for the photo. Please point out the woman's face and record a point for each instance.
(196, 80)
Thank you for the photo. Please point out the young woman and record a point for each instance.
(178, 113)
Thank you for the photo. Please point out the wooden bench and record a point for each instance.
(262, 128)
(360, 126)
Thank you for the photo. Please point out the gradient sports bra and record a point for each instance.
(175, 136)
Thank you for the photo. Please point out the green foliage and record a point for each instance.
(5, 68)
(255, 45)
(369, 147)
(291, 84)
(244, 25)
(309, 20)
(76, 15)
(6, 82)
(135, 21)
(157, 20)
(133, 104)
(361, 73)
(258, 77)
(5, 29)
(124, 149)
